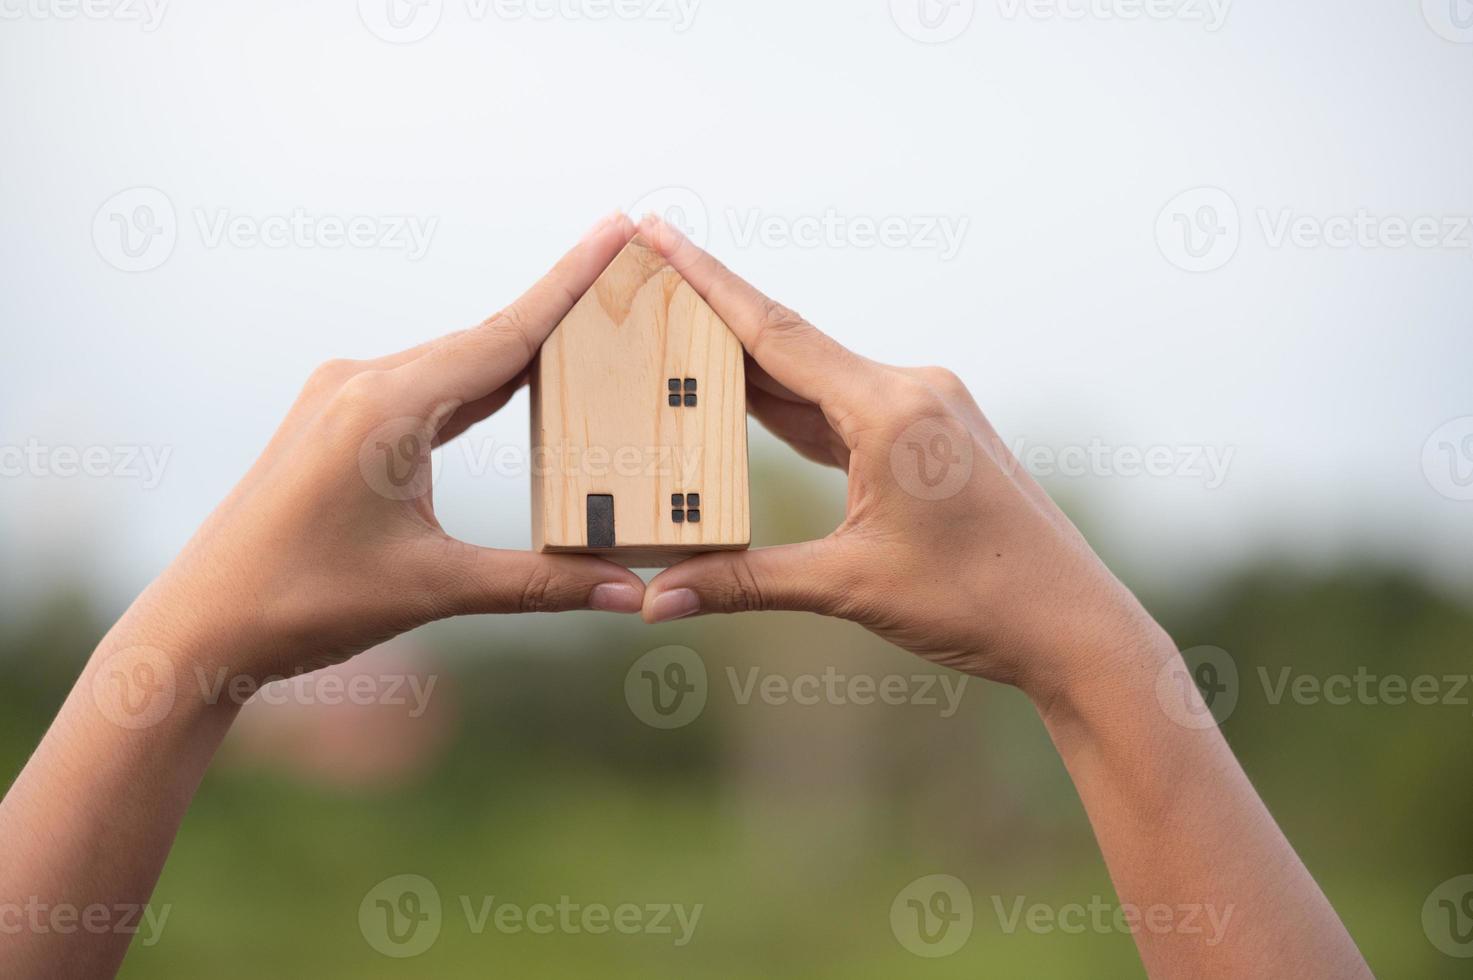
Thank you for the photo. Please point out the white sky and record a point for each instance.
(1057, 141)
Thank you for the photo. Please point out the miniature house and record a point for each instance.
(639, 422)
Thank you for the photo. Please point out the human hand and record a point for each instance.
(948, 547)
(330, 544)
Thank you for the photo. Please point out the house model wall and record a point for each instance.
(639, 422)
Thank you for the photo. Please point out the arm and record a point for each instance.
(1179, 823)
(328, 546)
(952, 551)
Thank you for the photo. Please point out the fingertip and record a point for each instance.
(581, 266)
(597, 228)
(616, 597)
(609, 234)
(669, 241)
(601, 226)
(666, 607)
(627, 229)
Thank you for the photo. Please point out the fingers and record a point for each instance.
(399, 358)
(488, 580)
(799, 425)
(803, 577)
(482, 408)
(475, 363)
(794, 353)
(757, 377)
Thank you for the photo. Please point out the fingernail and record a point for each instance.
(676, 604)
(677, 237)
(598, 226)
(667, 238)
(619, 597)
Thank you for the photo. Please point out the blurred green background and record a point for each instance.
(530, 778)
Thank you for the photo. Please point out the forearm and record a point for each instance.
(87, 825)
(1212, 886)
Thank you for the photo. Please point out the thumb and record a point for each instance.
(803, 577)
(490, 580)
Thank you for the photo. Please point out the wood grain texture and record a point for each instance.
(602, 422)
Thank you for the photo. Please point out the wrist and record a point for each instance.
(1109, 685)
(157, 666)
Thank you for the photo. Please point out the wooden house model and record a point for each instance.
(639, 422)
